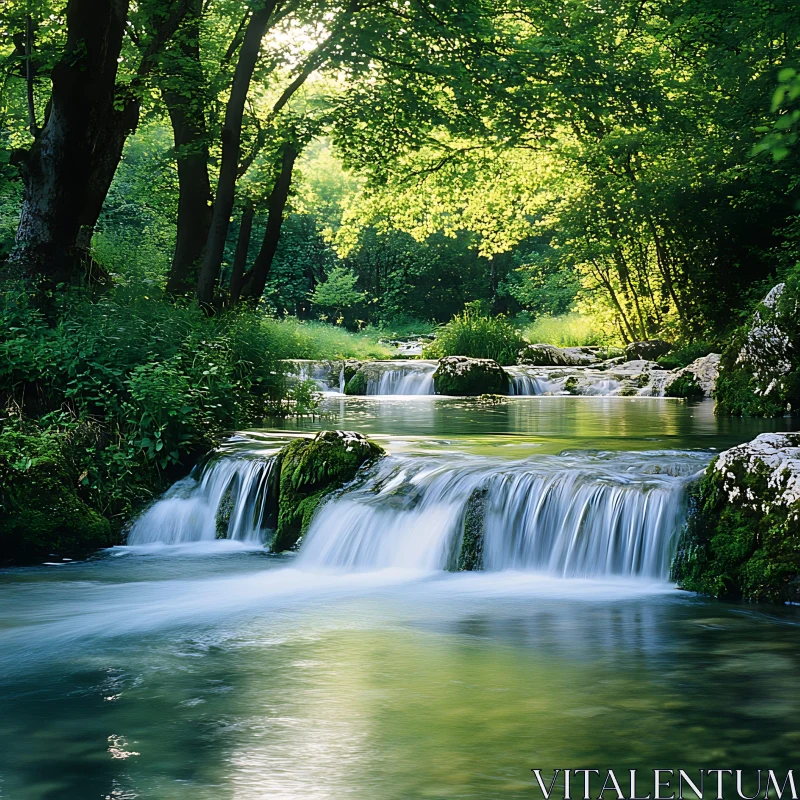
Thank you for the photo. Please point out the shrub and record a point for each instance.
(476, 336)
(686, 387)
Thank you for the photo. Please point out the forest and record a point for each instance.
(194, 191)
(399, 399)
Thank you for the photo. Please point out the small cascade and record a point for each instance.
(528, 381)
(230, 499)
(525, 382)
(574, 515)
(400, 378)
(328, 375)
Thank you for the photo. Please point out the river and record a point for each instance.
(361, 667)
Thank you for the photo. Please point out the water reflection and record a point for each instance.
(411, 686)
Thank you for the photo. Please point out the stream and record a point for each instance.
(186, 666)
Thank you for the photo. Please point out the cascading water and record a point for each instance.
(408, 378)
(571, 515)
(578, 514)
(230, 499)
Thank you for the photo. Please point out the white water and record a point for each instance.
(402, 379)
(574, 515)
(188, 511)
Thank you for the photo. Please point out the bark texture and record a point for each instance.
(256, 279)
(231, 148)
(61, 175)
(184, 103)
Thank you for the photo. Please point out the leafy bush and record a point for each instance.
(159, 382)
(477, 336)
(571, 330)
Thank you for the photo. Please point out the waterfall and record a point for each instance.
(526, 381)
(575, 515)
(404, 378)
(572, 515)
(230, 499)
(321, 372)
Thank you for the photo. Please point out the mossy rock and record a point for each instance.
(685, 387)
(742, 537)
(470, 557)
(310, 470)
(459, 376)
(357, 384)
(760, 370)
(40, 510)
(571, 385)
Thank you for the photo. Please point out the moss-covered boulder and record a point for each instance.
(460, 376)
(310, 470)
(40, 509)
(697, 380)
(760, 370)
(742, 539)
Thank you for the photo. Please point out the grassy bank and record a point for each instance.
(104, 405)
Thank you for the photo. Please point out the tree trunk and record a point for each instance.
(256, 279)
(59, 171)
(184, 102)
(231, 146)
(242, 247)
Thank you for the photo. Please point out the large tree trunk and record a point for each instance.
(59, 171)
(256, 279)
(231, 147)
(185, 106)
(242, 247)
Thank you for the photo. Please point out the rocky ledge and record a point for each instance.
(760, 370)
(742, 539)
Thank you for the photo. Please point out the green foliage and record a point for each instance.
(571, 330)
(161, 382)
(321, 341)
(685, 387)
(338, 298)
(476, 335)
(40, 480)
(781, 138)
(683, 356)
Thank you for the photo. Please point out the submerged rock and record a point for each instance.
(460, 376)
(742, 539)
(649, 350)
(310, 470)
(760, 371)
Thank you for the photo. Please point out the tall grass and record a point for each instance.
(571, 330)
(477, 336)
(319, 340)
